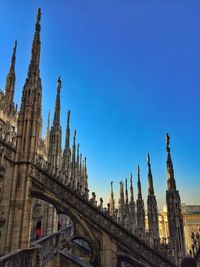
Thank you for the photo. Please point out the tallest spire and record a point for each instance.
(30, 115)
(35, 54)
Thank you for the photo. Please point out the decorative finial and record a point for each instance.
(38, 15)
(37, 25)
(74, 135)
(111, 185)
(15, 45)
(138, 172)
(170, 169)
(167, 143)
(68, 118)
(150, 178)
(14, 56)
(148, 158)
(59, 82)
(35, 53)
(149, 163)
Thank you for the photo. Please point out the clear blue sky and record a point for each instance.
(130, 71)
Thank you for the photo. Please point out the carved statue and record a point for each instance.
(167, 142)
(68, 117)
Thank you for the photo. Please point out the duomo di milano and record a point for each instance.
(46, 215)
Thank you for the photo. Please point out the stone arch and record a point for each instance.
(85, 232)
(78, 223)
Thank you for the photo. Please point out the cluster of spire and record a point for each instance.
(69, 164)
(131, 213)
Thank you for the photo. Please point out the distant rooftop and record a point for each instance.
(191, 209)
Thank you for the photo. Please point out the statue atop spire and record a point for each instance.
(13, 60)
(75, 136)
(111, 184)
(150, 178)
(38, 17)
(59, 82)
(167, 143)
(68, 118)
(170, 168)
(138, 172)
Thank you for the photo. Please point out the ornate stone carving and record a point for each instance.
(8, 134)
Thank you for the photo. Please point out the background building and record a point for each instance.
(191, 220)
